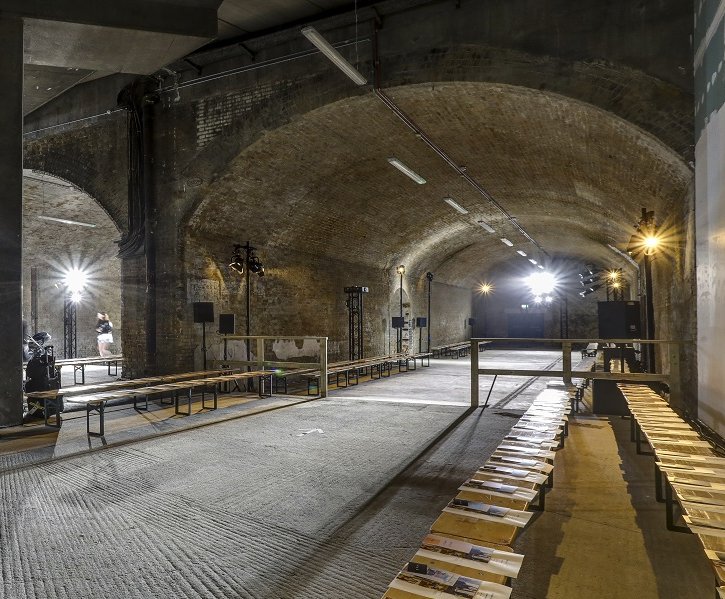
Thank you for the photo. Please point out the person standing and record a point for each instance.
(105, 337)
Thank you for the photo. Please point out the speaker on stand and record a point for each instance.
(203, 313)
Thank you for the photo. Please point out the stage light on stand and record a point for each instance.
(237, 263)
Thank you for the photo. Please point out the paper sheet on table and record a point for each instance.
(485, 487)
(475, 589)
(523, 462)
(469, 555)
(510, 516)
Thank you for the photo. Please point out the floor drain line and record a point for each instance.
(521, 388)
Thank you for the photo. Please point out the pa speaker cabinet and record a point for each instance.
(619, 320)
(398, 322)
(421, 321)
(203, 311)
(226, 324)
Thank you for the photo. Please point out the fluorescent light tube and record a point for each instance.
(532, 261)
(506, 242)
(541, 267)
(486, 226)
(407, 170)
(337, 59)
(66, 222)
(521, 253)
(453, 204)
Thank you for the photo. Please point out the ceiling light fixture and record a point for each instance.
(403, 168)
(455, 205)
(337, 59)
(65, 221)
(486, 226)
(532, 261)
(521, 253)
(506, 242)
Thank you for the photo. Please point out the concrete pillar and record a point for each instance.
(11, 220)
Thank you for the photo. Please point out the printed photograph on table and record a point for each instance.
(457, 548)
(440, 580)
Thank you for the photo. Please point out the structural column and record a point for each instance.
(11, 220)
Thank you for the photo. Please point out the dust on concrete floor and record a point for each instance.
(259, 507)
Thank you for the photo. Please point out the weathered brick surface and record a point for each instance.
(592, 121)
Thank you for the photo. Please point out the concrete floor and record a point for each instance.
(257, 508)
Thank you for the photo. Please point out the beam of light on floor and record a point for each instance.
(426, 402)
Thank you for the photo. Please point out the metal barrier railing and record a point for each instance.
(258, 354)
(672, 378)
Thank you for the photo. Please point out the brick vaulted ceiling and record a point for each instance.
(575, 177)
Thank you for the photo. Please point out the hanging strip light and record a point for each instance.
(337, 59)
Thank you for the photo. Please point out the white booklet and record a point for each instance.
(465, 554)
(424, 581)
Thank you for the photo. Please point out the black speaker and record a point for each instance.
(398, 322)
(226, 324)
(421, 322)
(203, 311)
(471, 321)
(619, 320)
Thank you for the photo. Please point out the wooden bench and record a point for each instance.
(79, 365)
(688, 466)
(96, 403)
(590, 351)
(350, 370)
(53, 399)
(458, 350)
(490, 510)
(581, 384)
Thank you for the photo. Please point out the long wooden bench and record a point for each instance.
(53, 400)
(79, 365)
(97, 402)
(688, 466)
(467, 552)
(350, 370)
(459, 349)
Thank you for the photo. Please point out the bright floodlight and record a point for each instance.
(75, 280)
(486, 288)
(650, 244)
(76, 297)
(538, 299)
(541, 283)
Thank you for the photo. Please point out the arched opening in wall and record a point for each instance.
(69, 257)
(322, 197)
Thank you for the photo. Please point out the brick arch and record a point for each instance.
(323, 181)
(92, 158)
(229, 121)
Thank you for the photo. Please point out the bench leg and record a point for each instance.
(188, 404)
(47, 404)
(263, 378)
(100, 409)
(670, 510)
(638, 441)
(540, 506)
(203, 400)
(135, 406)
(659, 496)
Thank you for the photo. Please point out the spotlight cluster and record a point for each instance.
(253, 262)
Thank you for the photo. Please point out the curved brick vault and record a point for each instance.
(573, 175)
